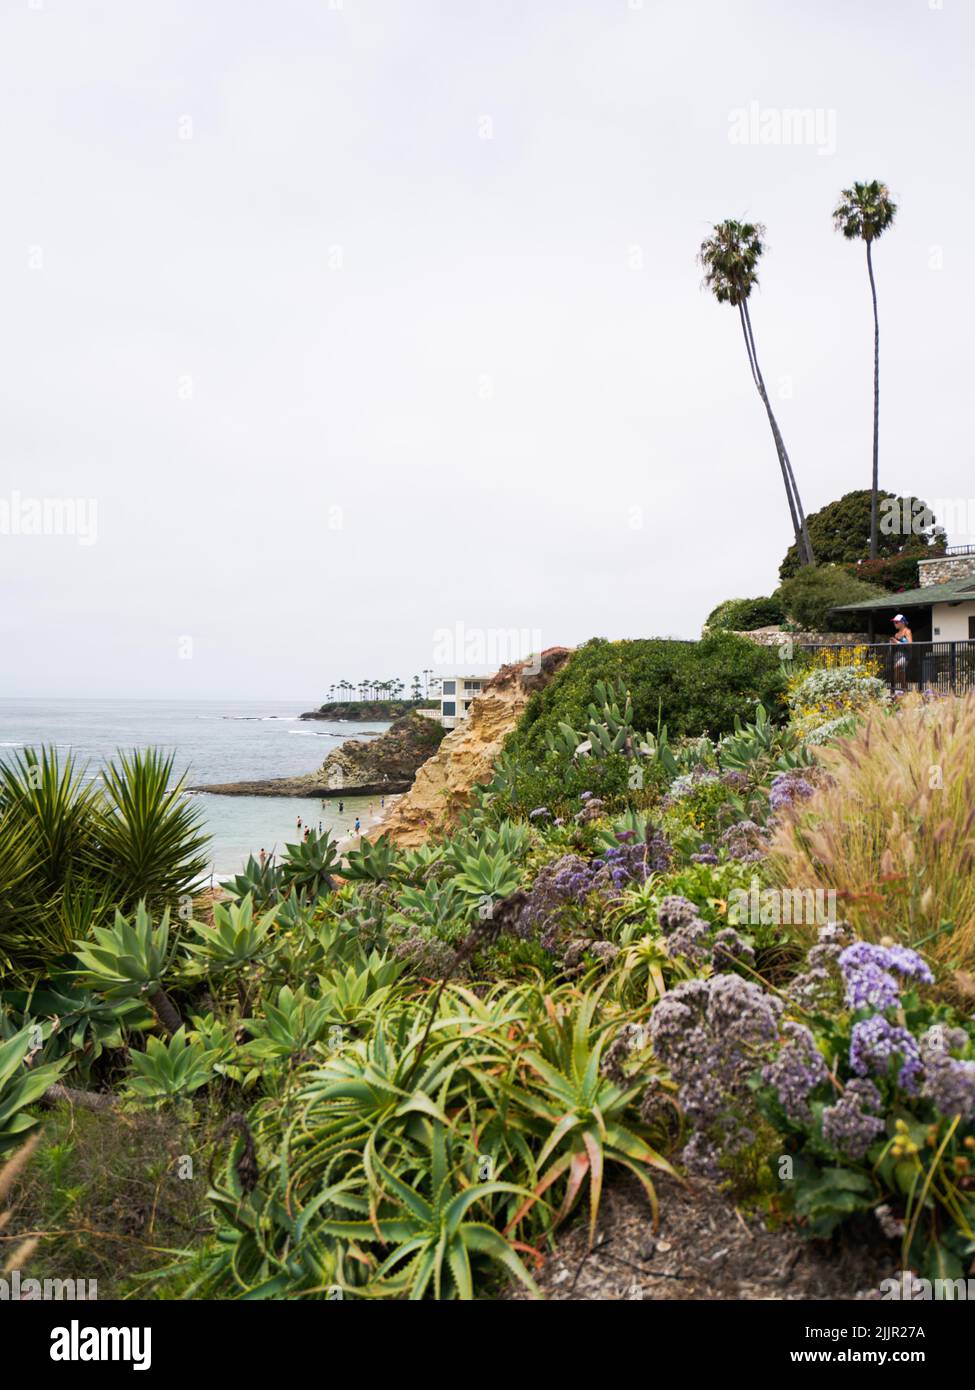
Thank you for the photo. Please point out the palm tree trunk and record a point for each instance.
(803, 544)
(165, 1010)
(876, 411)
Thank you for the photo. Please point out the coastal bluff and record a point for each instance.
(467, 754)
(385, 764)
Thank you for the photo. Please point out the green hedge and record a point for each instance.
(698, 687)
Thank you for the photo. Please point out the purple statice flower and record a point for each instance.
(705, 855)
(538, 812)
(820, 981)
(795, 1071)
(728, 946)
(745, 841)
(737, 781)
(949, 1082)
(869, 972)
(875, 1042)
(584, 796)
(625, 835)
(788, 788)
(853, 1123)
(711, 1034)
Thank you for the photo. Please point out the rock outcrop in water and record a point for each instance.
(382, 765)
(467, 754)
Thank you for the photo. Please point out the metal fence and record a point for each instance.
(942, 666)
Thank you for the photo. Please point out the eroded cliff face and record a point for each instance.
(467, 754)
(358, 767)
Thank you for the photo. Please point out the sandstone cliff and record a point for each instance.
(467, 754)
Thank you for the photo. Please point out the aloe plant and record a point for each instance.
(128, 960)
(579, 1113)
(434, 1243)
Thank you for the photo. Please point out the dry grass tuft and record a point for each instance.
(893, 830)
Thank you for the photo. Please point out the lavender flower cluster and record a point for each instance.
(949, 1082)
(711, 1034)
(688, 934)
(876, 1042)
(797, 1069)
(852, 1124)
(788, 788)
(571, 879)
(870, 971)
(745, 840)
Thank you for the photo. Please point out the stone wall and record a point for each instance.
(775, 637)
(946, 567)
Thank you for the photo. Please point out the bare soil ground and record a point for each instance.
(703, 1249)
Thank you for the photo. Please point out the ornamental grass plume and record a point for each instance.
(892, 831)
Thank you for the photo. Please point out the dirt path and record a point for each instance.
(703, 1249)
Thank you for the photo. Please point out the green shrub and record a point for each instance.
(810, 597)
(692, 687)
(745, 614)
(840, 531)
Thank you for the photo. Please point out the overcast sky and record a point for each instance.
(360, 321)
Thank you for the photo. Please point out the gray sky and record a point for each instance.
(358, 321)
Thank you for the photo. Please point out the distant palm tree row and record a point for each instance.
(373, 689)
(730, 259)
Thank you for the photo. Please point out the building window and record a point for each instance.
(449, 707)
(450, 687)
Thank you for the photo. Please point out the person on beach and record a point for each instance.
(263, 857)
(299, 824)
(903, 637)
(382, 803)
(341, 807)
(357, 830)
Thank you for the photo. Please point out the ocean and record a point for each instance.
(214, 741)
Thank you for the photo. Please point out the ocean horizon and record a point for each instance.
(213, 741)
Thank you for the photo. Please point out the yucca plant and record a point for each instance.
(130, 960)
(21, 1086)
(171, 1069)
(439, 910)
(150, 840)
(289, 1026)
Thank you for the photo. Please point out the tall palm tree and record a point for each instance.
(730, 259)
(864, 213)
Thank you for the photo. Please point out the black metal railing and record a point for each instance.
(952, 550)
(945, 667)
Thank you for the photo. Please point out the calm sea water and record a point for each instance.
(214, 741)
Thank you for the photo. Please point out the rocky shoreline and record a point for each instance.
(384, 765)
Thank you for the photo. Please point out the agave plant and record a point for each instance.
(21, 1085)
(236, 938)
(438, 909)
(307, 868)
(373, 861)
(289, 1026)
(435, 1246)
(485, 875)
(170, 1069)
(73, 1020)
(416, 865)
(261, 881)
(128, 960)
